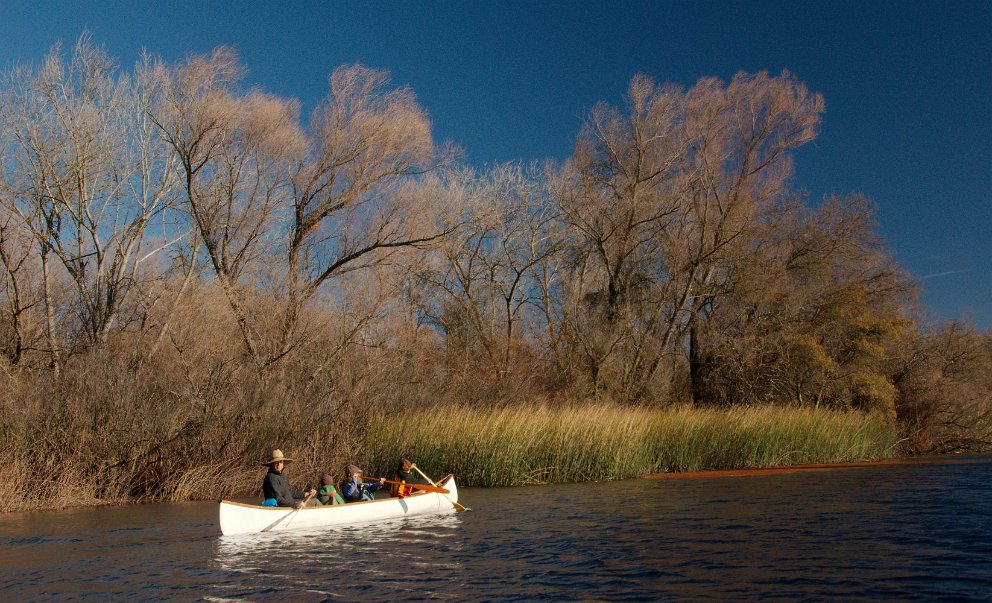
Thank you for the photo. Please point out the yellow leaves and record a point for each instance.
(873, 392)
(867, 350)
(806, 350)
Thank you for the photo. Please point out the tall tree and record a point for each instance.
(86, 175)
(658, 197)
(816, 314)
(19, 291)
(354, 196)
(234, 150)
(483, 278)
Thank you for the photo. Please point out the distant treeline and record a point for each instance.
(193, 274)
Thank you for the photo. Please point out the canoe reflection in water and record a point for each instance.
(318, 562)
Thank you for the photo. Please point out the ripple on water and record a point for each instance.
(912, 533)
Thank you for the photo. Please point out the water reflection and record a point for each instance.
(333, 562)
(338, 540)
(896, 533)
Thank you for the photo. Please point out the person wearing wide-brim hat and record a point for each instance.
(276, 489)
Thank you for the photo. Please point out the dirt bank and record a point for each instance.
(804, 468)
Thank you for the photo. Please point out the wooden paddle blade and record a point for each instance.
(427, 488)
(458, 508)
(424, 487)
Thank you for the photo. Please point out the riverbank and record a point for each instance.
(510, 446)
(717, 473)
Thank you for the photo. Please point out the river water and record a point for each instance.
(888, 533)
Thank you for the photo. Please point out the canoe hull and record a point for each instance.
(239, 518)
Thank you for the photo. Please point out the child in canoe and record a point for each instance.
(355, 489)
(403, 478)
(327, 494)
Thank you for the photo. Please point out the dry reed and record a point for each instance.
(525, 445)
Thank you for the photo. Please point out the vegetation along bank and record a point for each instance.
(193, 274)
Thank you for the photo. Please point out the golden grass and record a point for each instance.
(507, 446)
(542, 444)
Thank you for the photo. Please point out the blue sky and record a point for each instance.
(907, 86)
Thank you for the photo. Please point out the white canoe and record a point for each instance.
(239, 518)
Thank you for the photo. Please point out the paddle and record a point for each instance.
(307, 499)
(432, 488)
(458, 507)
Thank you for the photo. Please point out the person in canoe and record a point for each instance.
(276, 489)
(403, 478)
(355, 489)
(327, 494)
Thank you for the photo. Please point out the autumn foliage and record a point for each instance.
(194, 273)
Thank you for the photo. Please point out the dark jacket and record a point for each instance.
(276, 485)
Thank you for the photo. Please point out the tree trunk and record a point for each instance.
(55, 362)
(695, 365)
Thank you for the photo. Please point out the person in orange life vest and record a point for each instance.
(405, 477)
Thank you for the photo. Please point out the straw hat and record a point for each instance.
(276, 457)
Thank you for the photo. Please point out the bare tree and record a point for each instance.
(659, 196)
(18, 289)
(234, 150)
(350, 208)
(87, 176)
(484, 276)
(617, 196)
(945, 389)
